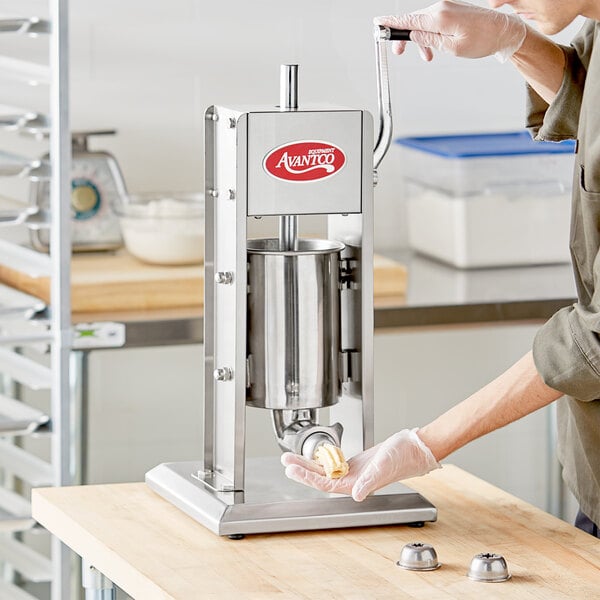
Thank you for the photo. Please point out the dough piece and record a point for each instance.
(331, 458)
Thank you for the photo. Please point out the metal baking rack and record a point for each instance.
(29, 330)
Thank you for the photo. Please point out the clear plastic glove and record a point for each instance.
(461, 29)
(401, 456)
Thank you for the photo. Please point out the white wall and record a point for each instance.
(149, 68)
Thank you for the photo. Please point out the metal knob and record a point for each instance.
(488, 567)
(224, 277)
(223, 374)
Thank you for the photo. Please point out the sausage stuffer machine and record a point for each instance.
(288, 321)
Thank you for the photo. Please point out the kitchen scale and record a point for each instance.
(96, 184)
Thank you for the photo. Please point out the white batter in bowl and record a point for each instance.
(164, 228)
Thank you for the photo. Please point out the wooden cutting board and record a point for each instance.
(116, 282)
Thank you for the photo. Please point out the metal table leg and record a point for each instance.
(555, 488)
(96, 585)
(79, 414)
(79, 408)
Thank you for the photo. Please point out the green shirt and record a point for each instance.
(566, 350)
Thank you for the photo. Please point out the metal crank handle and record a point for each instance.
(384, 103)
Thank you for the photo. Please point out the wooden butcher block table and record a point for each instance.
(153, 551)
(119, 282)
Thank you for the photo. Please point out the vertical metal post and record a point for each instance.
(288, 232)
(208, 455)
(288, 101)
(356, 408)
(288, 240)
(79, 369)
(96, 585)
(60, 252)
(555, 490)
(288, 87)
(225, 299)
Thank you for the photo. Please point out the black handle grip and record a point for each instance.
(400, 35)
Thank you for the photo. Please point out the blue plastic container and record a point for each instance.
(470, 164)
(488, 200)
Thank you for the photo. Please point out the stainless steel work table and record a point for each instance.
(437, 295)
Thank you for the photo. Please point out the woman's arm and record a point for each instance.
(519, 391)
(409, 453)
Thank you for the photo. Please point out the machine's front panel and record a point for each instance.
(305, 162)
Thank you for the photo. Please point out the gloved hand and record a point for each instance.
(401, 456)
(461, 29)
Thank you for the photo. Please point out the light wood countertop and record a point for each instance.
(115, 282)
(152, 550)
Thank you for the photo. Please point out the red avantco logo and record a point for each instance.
(304, 161)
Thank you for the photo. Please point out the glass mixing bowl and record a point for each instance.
(163, 228)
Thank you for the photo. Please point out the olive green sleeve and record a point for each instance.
(558, 121)
(566, 352)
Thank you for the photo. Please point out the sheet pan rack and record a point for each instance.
(26, 324)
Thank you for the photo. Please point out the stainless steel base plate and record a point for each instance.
(273, 503)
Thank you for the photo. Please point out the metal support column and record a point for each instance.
(96, 585)
(60, 253)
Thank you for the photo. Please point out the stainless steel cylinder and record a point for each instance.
(293, 324)
(288, 87)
